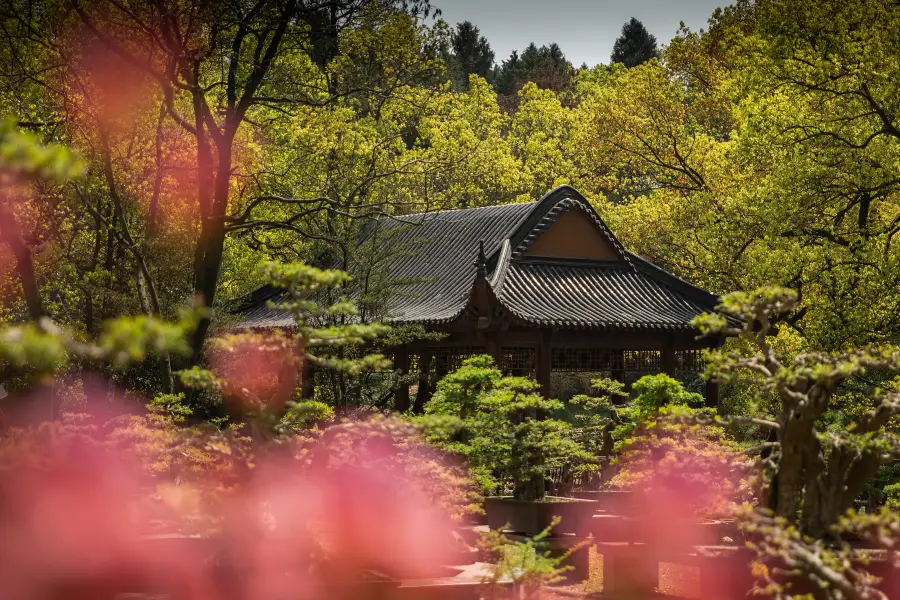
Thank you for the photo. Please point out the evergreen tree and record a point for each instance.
(546, 66)
(471, 53)
(634, 46)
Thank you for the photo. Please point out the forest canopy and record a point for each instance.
(216, 138)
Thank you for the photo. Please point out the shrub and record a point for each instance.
(665, 451)
(503, 427)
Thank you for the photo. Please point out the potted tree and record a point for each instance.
(596, 421)
(508, 434)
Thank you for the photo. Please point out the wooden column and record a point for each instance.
(401, 363)
(712, 394)
(544, 365)
(423, 395)
(492, 346)
(667, 358)
(307, 381)
(617, 372)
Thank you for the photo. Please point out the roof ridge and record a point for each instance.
(470, 208)
(586, 263)
(500, 269)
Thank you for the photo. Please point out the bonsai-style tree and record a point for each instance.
(814, 472)
(831, 431)
(652, 393)
(503, 427)
(595, 417)
(258, 373)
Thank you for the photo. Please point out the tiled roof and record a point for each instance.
(438, 258)
(608, 295)
(439, 255)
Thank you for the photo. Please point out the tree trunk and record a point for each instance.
(834, 491)
(210, 246)
(797, 448)
(11, 234)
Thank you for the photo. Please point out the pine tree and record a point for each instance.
(634, 46)
(547, 66)
(471, 52)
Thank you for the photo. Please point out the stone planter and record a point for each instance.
(532, 517)
(369, 584)
(616, 502)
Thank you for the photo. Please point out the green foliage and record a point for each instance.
(42, 349)
(547, 66)
(652, 392)
(257, 372)
(22, 155)
(835, 570)
(301, 416)
(818, 434)
(31, 349)
(523, 565)
(667, 444)
(459, 392)
(472, 54)
(892, 496)
(304, 286)
(652, 396)
(503, 427)
(127, 340)
(595, 417)
(171, 406)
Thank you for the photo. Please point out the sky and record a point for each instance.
(584, 29)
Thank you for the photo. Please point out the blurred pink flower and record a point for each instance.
(70, 529)
(257, 370)
(74, 525)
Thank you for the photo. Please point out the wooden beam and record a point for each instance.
(572, 338)
(618, 374)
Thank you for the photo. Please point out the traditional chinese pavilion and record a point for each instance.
(544, 287)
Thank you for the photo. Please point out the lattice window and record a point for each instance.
(576, 360)
(518, 361)
(643, 360)
(584, 359)
(689, 361)
(445, 359)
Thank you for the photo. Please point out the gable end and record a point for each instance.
(573, 235)
(574, 229)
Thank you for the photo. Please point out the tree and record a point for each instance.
(539, 136)
(283, 59)
(503, 427)
(24, 158)
(720, 162)
(667, 460)
(546, 66)
(258, 373)
(814, 471)
(635, 46)
(472, 52)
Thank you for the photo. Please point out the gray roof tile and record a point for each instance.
(439, 250)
